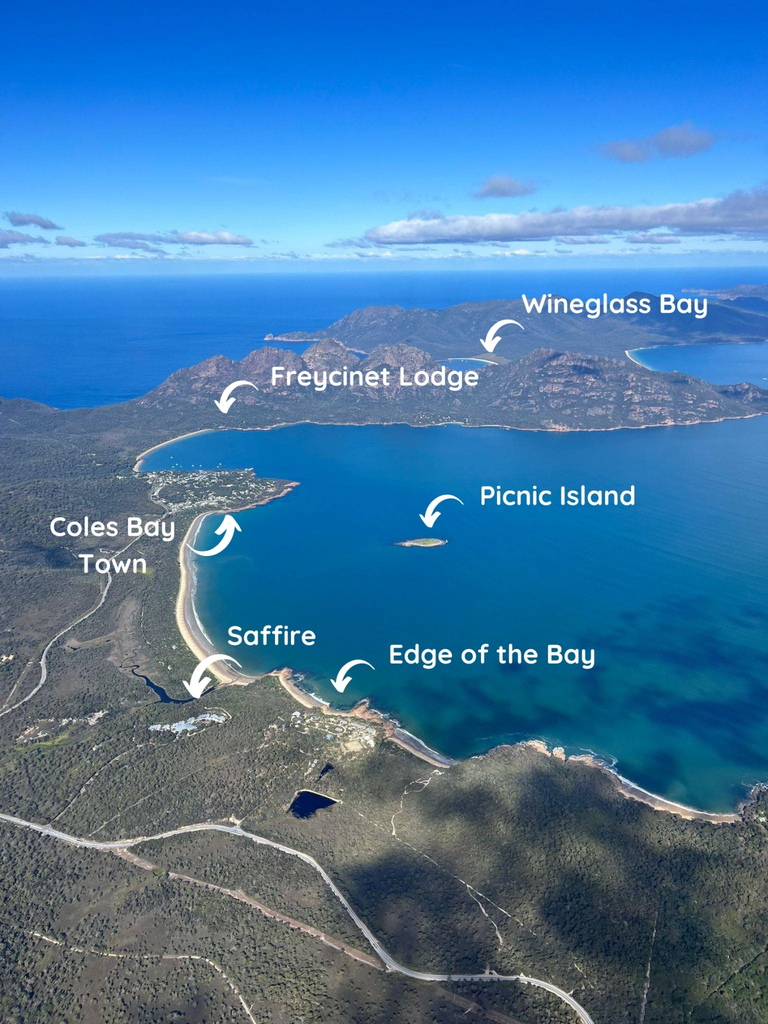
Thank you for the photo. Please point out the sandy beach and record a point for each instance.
(633, 792)
(187, 621)
(164, 444)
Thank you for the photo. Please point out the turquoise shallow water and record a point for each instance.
(719, 364)
(670, 593)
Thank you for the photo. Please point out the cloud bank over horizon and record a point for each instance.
(742, 213)
(151, 243)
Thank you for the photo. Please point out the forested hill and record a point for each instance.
(456, 331)
(544, 390)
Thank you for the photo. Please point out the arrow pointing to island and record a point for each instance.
(342, 679)
(491, 340)
(430, 517)
(225, 403)
(199, 680)
(228, 527)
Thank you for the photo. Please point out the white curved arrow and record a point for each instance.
(431, 515)
(199, 681)
(341, 680)
(491, 340)
(224, 404)
(228, 527)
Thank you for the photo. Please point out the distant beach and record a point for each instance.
(164, 444)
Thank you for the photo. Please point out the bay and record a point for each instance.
(718, 364)
(671, 593)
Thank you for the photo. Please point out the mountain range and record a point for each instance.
(456, 330)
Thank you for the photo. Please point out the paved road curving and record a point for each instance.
(235, 830)
(44, 656)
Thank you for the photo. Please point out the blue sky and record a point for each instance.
(382, 135)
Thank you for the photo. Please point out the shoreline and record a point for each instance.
(631, 791)
(187, 620)
(363, 710)
(137, 468)
(421, 542)
(694, 344)
(164, 444)
(199, 643)
(634, 792)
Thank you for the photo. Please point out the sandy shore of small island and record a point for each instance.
(200, 645)
(421, 542)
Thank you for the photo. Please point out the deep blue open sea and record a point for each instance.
(671, 593)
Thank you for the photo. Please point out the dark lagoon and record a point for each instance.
(671, 593)
(306, 803)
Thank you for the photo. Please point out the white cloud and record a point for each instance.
(145, 242)
(676, 141)
(741, 213)
(130, 240)
(501, 186)
(584, 240)
(25, 220)
(8, 238)
(207, 238)
(653, 238)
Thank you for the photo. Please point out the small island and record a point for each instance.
(421, 542)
